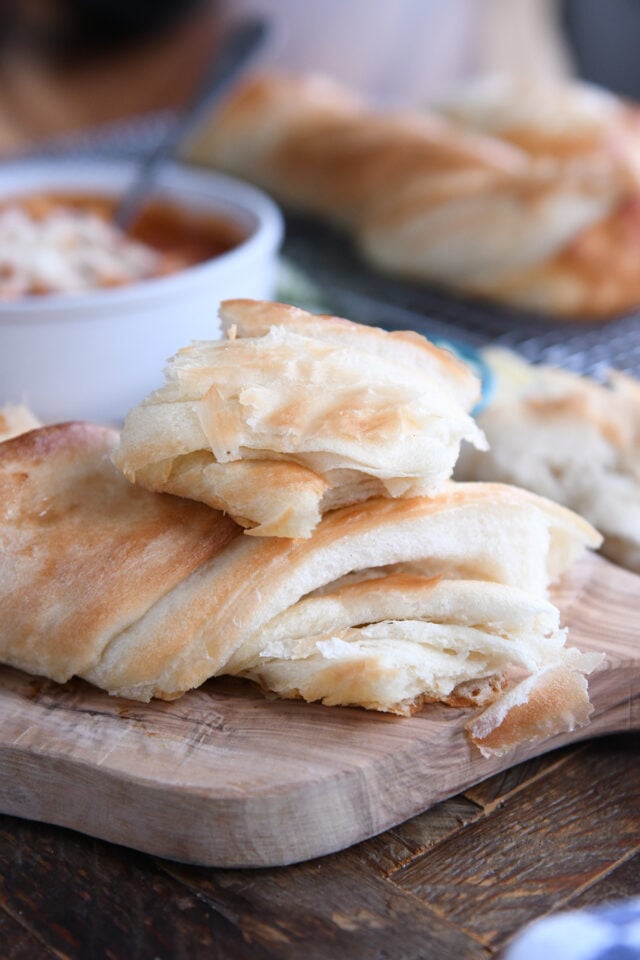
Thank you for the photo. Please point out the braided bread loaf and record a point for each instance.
(432, 200)
(389, 604)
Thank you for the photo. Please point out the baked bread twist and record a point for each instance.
(147, 595)
(539, 227)
(569, 123)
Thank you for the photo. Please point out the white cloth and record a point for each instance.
(605, 933)
(412, 50)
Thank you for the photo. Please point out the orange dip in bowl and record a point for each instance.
(67, 242)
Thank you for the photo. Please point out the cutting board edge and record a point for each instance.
(200, 844)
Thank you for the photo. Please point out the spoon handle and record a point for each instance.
(236, 49)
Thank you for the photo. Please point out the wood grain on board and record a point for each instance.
(224, 777)
(82, 897)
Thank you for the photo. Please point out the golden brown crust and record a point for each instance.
(269, 497)
(86, 553)
(594, 277)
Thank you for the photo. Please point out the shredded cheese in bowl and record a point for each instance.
(68, 250)
(90, 313)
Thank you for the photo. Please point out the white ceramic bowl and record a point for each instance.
(95, 355)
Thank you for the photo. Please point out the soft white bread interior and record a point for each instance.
(148, 595)
(568, 438)
(401, 641)
(438, 201)
(293, 415)
(16, 418)
(472, 531)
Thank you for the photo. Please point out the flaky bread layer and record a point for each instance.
(84, 554)
(148, 595)
(554, 701)
(298, 414)
(396, 643)
(505, 611)
(254, 318)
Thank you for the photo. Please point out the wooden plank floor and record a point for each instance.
(455, 882)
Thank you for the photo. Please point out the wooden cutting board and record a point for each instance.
(224, 777)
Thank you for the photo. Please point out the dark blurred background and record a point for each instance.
(604, 40)
(82, 27)
(66, 64)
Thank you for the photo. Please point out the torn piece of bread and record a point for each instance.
(254, 318)
(295, 415)
(568, 438)
(147, 595)
(16, 418)
(554, 700)
(435, 201)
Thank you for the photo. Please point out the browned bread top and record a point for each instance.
(84, 552)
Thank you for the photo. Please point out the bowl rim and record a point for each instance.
(233, 195)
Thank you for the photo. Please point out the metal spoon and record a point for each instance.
(236, 50)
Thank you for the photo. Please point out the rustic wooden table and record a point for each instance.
(455, 882)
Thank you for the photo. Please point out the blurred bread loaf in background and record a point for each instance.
(447, 201)
(569, 438)
(569, 122)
